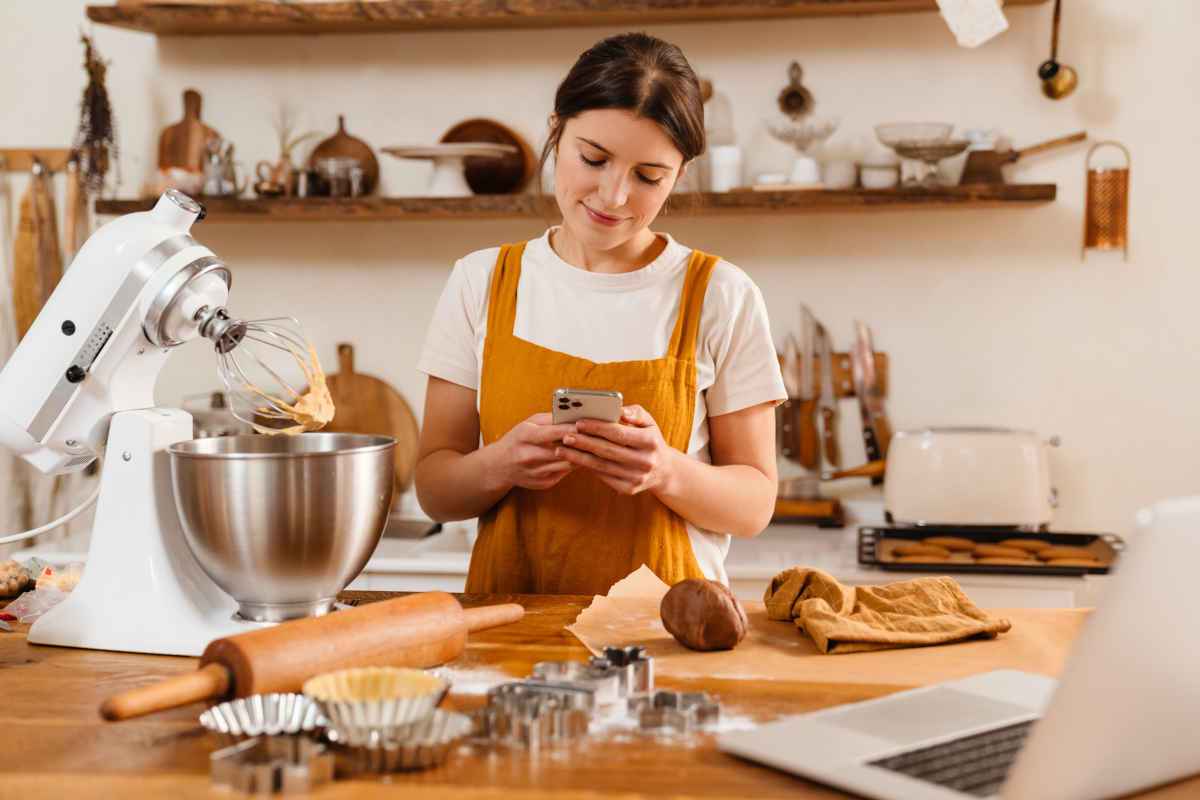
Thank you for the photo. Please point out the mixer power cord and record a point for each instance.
(58, 523)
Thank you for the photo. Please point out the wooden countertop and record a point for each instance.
(56, 745)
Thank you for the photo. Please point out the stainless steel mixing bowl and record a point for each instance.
(283, 523)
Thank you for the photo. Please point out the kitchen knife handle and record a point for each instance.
(883, 433)
(867, 470)
(872, 447)
(211, 680)
(833, 453)
(783, 429)
(809, 442)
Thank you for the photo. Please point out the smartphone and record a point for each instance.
(569, 405)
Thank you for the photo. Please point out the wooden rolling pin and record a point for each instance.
(420, 630)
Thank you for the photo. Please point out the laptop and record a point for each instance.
(1121, 718)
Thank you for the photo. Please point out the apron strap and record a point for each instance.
(691, 305)
(502, 297)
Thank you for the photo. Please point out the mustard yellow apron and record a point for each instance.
(581, 537)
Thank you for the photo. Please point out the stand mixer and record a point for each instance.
(81, 383)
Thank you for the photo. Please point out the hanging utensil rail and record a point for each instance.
(20, 159)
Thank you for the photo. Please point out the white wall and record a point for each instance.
(989, 316)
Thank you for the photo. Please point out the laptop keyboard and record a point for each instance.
(976, 765)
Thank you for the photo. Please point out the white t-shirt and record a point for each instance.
(619, 317)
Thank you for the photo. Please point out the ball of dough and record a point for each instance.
(703, 615)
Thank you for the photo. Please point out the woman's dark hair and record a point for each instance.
(638, 73)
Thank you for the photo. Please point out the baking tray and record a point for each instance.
(873, 550)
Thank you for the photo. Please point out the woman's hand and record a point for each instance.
(630, 458)
(526, 456)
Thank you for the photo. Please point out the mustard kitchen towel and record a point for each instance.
(853, 619)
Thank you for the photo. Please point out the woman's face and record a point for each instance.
(612, 174)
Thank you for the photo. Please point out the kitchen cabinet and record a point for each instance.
(251, 18)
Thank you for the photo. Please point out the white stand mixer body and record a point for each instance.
(81, 381)
(142, 590)
(95, 321)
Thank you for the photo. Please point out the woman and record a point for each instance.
(602, 302)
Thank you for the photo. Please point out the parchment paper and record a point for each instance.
(1038, 642)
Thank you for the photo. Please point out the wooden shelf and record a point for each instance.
(508, 206)
(165, 19)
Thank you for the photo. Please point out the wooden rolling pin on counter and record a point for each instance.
(422, 630)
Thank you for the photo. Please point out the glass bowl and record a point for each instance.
(894, 133)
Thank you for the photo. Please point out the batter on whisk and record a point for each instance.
(285, 349)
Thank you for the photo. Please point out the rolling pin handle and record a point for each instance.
(211, 680)
(493, 616)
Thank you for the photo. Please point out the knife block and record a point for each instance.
(843, 378)
(804, 505)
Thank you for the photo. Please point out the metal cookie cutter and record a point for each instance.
(566, 695)
(635, 667)
(534, 714)
(598, 675)
(675, 712)
(272, 764)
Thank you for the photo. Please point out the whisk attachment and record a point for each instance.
(271, 373)
(226, 332)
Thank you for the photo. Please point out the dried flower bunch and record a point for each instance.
(285, 125)
(96, 139)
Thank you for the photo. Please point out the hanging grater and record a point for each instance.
(1106, 216)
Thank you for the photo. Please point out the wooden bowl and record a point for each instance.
(507, 175)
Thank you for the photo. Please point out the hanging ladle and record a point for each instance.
(1058, 80)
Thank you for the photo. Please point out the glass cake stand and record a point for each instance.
(928, 142)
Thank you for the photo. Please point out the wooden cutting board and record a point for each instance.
(184, 145)
(37, 260)
(366, 404)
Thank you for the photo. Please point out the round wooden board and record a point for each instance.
(508, 174)
(365, 404)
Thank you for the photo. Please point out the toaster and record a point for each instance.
(969, 476)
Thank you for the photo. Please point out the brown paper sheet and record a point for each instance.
(1038, 642)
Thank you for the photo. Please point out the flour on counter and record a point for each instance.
(473, 680)
(615, 723)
